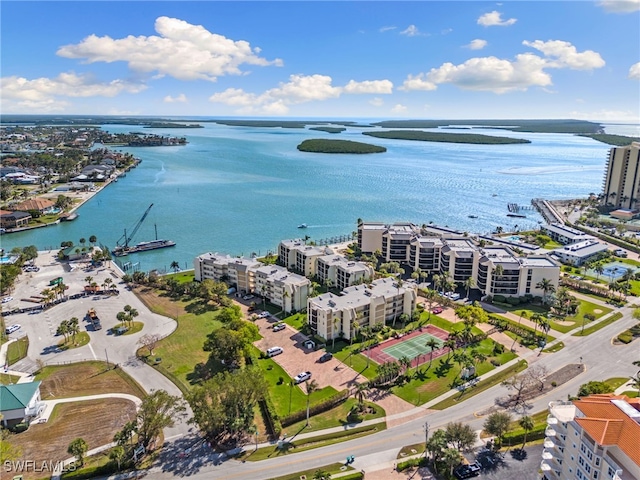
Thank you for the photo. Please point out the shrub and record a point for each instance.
(513, 301)
(498, 348)
(625, 337)
(495, 362)
(412, 462)
(554, 384)
(499, 298)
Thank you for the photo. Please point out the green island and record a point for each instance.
(532, 126)
(172, 125)
(329, 129)
(319, 145)
(445, 137)
(617, 140)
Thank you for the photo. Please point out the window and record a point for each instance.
(595, 474)
(581, 461)
(598, 461)
(589, 455)
(587, 468)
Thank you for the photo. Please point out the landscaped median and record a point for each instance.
(293, 445)
(597, 326)
(17, 350)
(333, 469)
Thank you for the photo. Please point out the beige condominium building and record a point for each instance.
(297, 256)
(340, 272)
(238, 272)
(621, 186)
(287, 290)
(595, 438)
(440, 250)
(333, 316)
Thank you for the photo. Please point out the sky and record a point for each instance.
(362, 59)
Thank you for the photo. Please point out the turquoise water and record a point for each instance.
(240, 190)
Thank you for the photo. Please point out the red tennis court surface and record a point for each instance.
(378, 355)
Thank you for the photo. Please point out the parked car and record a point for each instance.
(12, 328)
(263, 314)
(7, 299)
(436, 310)
(279, 326)
(325, 357)
(247, 297)
(302, 377)
(273, 351)
(467, 471)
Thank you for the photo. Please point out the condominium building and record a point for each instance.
(425, 253)
(332, 316)
(596, 437)
(296, 255)
(340, 272)
(370, 236)
(621, 186)
(563, 234)
(578, 253)
(287, 290)
(500, 272)
(459, 259)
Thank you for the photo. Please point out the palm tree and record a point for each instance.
(599, 269)
(451, 458)
(433, 344)
(535, 318)
(547, 288)
(355, 327)
(74, 328)
(451, 344)
(63, 329)
(310, 386)
(469, 283)
(93, 239)
(175, 266)
(526, 423)
(83, 241)
(498, 272)
(523, 314)
(478, 357)
(360, 394)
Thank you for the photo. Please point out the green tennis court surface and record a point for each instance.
(412, 347)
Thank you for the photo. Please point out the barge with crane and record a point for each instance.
(123, 246)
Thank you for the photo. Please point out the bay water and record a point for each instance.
(240, 190)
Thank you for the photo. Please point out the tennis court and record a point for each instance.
(412, 346)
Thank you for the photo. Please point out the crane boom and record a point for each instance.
(128, 238)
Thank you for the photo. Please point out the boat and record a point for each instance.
(302, 225)
(124, 249)
(473, 216)
(516, 215)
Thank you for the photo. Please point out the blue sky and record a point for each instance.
(420, 59)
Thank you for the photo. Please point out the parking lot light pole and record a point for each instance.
(107, 355)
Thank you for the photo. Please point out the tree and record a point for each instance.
(360, 394)
(436, 445)
(321, 474)
(433, 344)
(157, 411)
(175, 266)
(547, 288)
(227, 346)
(451, 458)
(125, 436)
(310, 387)
(117, 454)
(150, 341)
(594, 387)
(526, 423)
(599, 269)
(589, 317)
(93, 239)
(74, 328)
(469, 283)
(78, 448)
(523, 383)
(497, 424)
(63, 329)
(460, 435)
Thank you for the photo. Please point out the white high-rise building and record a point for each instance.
(621, 186)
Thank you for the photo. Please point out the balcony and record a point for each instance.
(549, 443)
(551, 432)
(551, 454)
(550, 470)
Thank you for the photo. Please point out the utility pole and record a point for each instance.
(426, 437)
(107, 355)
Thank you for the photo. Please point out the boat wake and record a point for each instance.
(160, 173)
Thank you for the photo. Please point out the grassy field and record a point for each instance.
(597, 326)
(182, 350)
(569, 323)
(184, 276)
(616, 382)
(332, 469)
(6, 379)
(17, 350)
(96, 421)
(336, 417)
(287, 399)
(137, 327)
(82, 339)
(85, 378)
(428, 383)
(296, 321)
(481, 386)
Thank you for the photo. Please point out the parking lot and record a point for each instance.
(496, 467)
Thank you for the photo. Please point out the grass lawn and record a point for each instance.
(428, 383)
(17, 350)
(408, 450)
(357, 361)
(481, 386)
(6, 379)
(283, 393)
(336, 417)
(296, 321)
(182, 350)
(85, 378)
(96, 421)
(137, 327)
(82, 339)
(616, 382)
(569, 323)
(94, 466)
(184, 276)
(556, 348)
(518, 338)
(295, 446)
(332, 469)
(529, 308)
(597, 326)
(631, 393)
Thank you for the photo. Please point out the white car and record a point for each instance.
(302, 377)
(12, 328)
(247, 297)
(263, 314)
(7, 299)
(278, 326)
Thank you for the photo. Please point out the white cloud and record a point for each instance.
(620, 6)
(299, 89)
(606, 115)
(446, 31)
(477, 44)
(411, 31)
(386, 29)
(564, 54)
(376, 102)
(179, 99)
(634, 71)
(500, 75)
(493, 19)
(369, 86)
(399, 108)
(182, 50)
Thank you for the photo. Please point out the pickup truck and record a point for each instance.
(302, 377)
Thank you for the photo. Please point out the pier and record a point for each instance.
(548, 212)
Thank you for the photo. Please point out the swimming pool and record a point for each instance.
(8, 259)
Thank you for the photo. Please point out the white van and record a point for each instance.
(273, 351)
